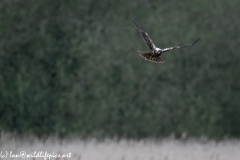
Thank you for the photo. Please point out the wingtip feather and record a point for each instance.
(195, 41)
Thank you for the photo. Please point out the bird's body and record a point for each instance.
(155, 52)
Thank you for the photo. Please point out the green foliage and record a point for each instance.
(72, 67)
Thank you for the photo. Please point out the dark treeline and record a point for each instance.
(72, 67)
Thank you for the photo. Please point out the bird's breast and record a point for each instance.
(156, 53)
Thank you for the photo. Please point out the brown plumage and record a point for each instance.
(149, 56)
(155, 53)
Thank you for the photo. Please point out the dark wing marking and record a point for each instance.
(144, 35)
(177, 47)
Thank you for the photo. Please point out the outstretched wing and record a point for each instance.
(177, 47)
(145, 36)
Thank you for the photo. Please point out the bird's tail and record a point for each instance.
(149, 56)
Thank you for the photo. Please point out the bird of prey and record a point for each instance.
(155, 53)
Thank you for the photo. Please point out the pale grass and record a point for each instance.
(167, 149)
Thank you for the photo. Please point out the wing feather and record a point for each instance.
(178, 47)
(144, 35)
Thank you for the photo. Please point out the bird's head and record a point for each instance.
(158, 50)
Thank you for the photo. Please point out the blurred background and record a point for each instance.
(72, 68)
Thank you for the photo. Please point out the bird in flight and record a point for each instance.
(155, 53)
